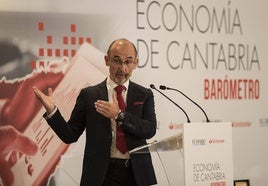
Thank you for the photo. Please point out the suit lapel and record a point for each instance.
(102, 91)
(103, 95)
(131, 94)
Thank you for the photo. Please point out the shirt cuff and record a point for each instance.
(48, 116)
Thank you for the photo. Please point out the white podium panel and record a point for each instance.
(201, 155)
(208, 154)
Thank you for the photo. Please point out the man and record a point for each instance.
(100, 110)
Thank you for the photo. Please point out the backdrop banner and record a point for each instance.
(213, 51)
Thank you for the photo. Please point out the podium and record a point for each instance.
(201, 155)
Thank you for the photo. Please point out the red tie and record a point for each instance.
(120, 136)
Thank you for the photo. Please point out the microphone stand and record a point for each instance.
(153, 87)
(162, 87)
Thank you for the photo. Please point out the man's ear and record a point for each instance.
(107, 62)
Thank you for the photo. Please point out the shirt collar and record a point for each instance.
(111, 84)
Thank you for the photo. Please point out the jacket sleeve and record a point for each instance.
(70, 131)
(140, 117)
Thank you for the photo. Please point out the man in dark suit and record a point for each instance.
(100, 110)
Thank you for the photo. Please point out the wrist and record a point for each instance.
(115, 118)
(50, 110)
(120, 118)
(50, 114)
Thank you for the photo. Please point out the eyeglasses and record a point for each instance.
(127, 62)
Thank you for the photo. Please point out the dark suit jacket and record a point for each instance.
(139, 125)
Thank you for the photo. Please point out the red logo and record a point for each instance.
(211, 141)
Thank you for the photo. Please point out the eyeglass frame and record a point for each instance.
(120, 62)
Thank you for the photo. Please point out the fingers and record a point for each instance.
(115, 98)
(107, 109)
(5, 173)
(102, 107)
(37, 92)
(40, 95)
(25, 145)
(11, 139)
(47, 101)
(50, 92)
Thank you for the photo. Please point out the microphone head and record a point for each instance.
(152, 86)
(162, 87)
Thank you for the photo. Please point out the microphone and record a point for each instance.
(153, 87)
(162, 87)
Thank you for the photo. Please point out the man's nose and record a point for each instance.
(123, 67)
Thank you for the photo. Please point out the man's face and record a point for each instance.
(121, 61)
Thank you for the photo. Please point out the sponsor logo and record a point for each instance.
(198, 142)
(222, 183)
(212, 141)
(263, 122)
(174, 125)
(241, 124)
